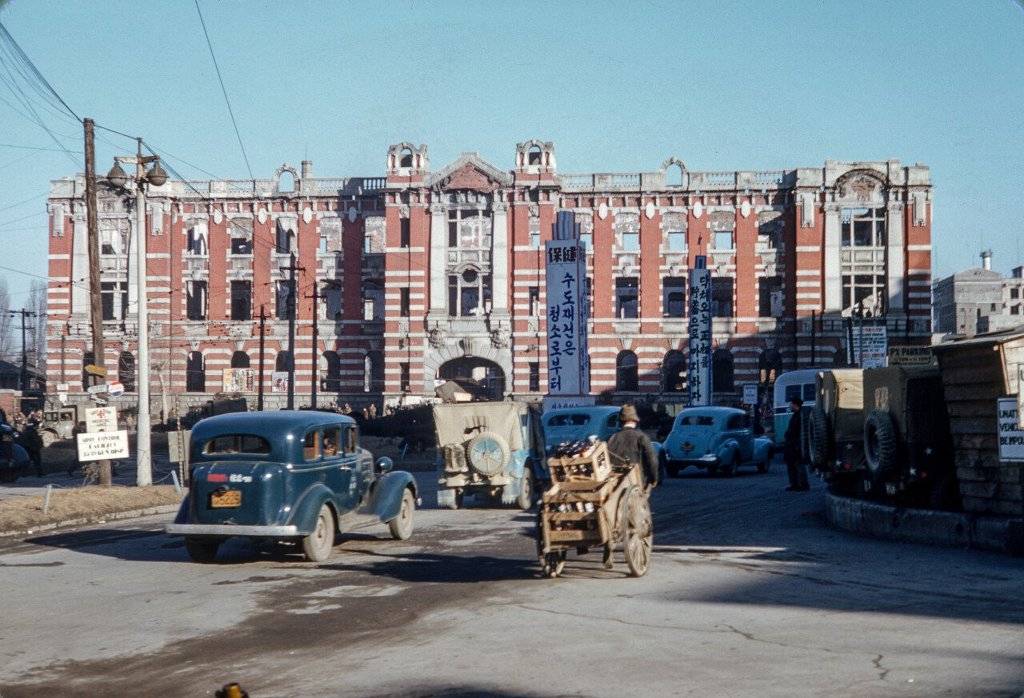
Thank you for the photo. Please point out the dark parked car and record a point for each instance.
(13, 458)
(292, 476)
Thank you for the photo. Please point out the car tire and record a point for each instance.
(730, 469)
(880, 444)
(525, 498)
(401, 525)
(820, 439)
(488, 453)
(317, 546)
(202, 550)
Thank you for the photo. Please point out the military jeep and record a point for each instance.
(492, 450)
(835, 428)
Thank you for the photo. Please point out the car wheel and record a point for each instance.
(762, 467)
(525, 500)
(712, 471)
(317, 545)
(202, 550)
(401, 525)
(729, 469)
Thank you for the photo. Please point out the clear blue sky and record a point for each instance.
(617, 86)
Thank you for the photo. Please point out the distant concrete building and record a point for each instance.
(979, 300)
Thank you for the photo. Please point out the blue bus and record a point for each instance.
(792, 384)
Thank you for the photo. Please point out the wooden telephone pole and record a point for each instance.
(292, 304)
(95, 298)
(259, 389)
(315, 351)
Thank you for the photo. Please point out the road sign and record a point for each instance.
(102, 445)
(94, 370)
(750, 393)
(97, 389)
(100, 419)
(115, 388)
(1011, 436)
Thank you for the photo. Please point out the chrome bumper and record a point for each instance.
(231, 530)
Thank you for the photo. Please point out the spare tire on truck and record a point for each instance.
(820, 439)
(488, 453)
(881, 444)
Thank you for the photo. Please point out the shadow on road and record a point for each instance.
(442, 568)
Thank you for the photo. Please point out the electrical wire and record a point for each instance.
(28, 200)
(28, 147)
(224, 90)
(39, 76)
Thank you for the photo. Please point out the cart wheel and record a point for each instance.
(553, 565)
(637, 533)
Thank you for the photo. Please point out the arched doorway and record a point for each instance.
(722, 371)
(487, 374)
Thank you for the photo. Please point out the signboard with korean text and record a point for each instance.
(698, 373)
(572, 401)
(102, 445)
(870, 344)
(1011, 436)
(100, 419)
(567, 314)
(239, 380)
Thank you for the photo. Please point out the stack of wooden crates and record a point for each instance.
(977, 372)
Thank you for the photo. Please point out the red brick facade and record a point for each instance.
(440, 272)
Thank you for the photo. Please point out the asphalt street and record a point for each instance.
(749, 594)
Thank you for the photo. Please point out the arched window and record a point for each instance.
(534, 156)
(405, 158)
(674, 175)
(722, 371)
(195, 373)
(673, 371)
(126, 370)
(626, 375)
(88, 359)
(330, 367)
(239, 360)
(283, 362)
(373, 372)
(286, 182)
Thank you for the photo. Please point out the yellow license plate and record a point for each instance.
(226, 500)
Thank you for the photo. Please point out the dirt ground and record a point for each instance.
(21, 513)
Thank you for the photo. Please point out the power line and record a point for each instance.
(35, 71)
(224, 91)
(31, 198)
(29, 147)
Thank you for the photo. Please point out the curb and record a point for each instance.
(85, 521)
(944, 528)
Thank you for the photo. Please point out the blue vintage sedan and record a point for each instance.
(719, 439)
(292, 476)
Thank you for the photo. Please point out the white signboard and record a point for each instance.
(567, 313)
(870, 345)
(1011, 436)
(903, 355)
(177, 445)
(560, 403)
(100, 419)
(99, 388)
(115, 388)
(239, 380)
(279, 382)
(698, 373)
(102, 445)
(750, 393)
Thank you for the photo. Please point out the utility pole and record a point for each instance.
(23, 379)
(143, 456)
(96, 299)
(315, 350)
(259, 389)
(292, 303)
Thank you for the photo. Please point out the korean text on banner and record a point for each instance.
(568, 357)
(698, 376)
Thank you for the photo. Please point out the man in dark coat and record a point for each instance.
(793, 449)
(32, 441)
(633, 446)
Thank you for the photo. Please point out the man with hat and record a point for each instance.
(631, 445)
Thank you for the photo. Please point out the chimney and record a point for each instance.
(307, 169)
(986, 256)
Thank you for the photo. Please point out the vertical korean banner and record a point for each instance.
(698, 376)
(568, 357)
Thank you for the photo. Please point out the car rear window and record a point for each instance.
(565, 420)
(228, 444)
(697, 420)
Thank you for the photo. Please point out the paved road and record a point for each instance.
(749, 594)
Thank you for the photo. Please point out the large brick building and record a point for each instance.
(430, 273)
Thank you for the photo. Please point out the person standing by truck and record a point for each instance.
(793, 450)
(631, 445)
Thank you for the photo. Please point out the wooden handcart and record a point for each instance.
(593, 503)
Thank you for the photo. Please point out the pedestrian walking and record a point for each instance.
(33, 443)
(630, 445)
(793, 449)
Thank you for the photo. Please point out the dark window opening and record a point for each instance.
(331, 377)
(534, 377)
(404, 302)
(405, 158)
(126, 370)
(195, 373)
(722, 371)
(239, 359)
(195, 300)
(241, 300)
(768, 287)
(674, 372)
(403, 377)
(721, 297)
(627, 297)
(405, 233)
(674, 296)
(283, 361)
(627, 377)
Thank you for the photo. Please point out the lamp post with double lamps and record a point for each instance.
(119, 179)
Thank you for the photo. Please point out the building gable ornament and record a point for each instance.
(469, 177)
(860, 185)
(436, 337)
(501, 336)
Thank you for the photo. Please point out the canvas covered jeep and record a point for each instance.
(836, 427)
(489, 449)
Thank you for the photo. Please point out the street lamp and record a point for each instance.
(119, 179)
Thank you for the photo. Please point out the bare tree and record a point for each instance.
(5, 320)
(37, 304)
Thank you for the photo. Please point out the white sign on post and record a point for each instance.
(870, 344)
(100, 419)
(750, 393)
(568, 373)
(698, 372)
(102, 445)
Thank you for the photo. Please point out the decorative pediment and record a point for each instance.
(861, 185)
(471, 172)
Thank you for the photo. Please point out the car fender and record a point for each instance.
(184, 510)
(388, 492)
(307, 508)
(763, 449)
(727, 450)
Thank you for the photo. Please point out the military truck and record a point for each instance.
(835, 428)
